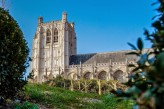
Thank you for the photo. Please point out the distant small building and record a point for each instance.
(54, 53)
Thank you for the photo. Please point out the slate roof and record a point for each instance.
(119, 56)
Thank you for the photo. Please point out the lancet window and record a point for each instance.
(55, 35)
(48, 36)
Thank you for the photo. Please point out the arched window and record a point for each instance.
(48, 36)
(55, 35)
(102, 75)
(118, 75)
(87, 75)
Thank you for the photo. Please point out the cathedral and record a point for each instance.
(54, 53)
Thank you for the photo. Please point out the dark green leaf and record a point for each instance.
(140, 44)
(146, 32)
(135, 69)
(132, 46)
(142, 60)
(131, 65)
(132, 53)
(156, 24)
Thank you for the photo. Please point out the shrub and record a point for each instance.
(93, 86)
(147, 79)
(59, 81)
(13, 57)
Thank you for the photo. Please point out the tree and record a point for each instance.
(13, 57)
(147, 79)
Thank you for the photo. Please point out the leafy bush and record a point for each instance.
(93, 86)
(147, 79)
(86, 85)
(13, 57)
(59, 81)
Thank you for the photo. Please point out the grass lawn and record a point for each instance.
(58, 98)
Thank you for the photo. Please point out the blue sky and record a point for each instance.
(101, 25)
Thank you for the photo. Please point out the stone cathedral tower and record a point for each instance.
(54, 42)
(54, 52)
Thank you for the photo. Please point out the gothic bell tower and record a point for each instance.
(54, 42)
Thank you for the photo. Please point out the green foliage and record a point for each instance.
(86, 85)
(31, 75)
(93, 86)
(54, 97)
(25, 105)
(59, 81)
(147, 79)
(111, 102)
(13, 57)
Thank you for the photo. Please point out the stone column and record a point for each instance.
(77, 73)
(38, 56)
(80, 70)
(109, 70)
(93, 71)
(65, 36)
(127, 70)
(66, 48)
(51, 49)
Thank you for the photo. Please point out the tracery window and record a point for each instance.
(118, 75)
(48, 36)
(87, 75)
(102, 75)
(55, 35)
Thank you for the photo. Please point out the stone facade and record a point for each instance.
(54, 53)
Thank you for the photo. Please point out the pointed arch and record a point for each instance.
(118, 75)
(55, 35)
(48, 36)
(87, 75)
(102, 75)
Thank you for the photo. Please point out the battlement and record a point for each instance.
(101, 64)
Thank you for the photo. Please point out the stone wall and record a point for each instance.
(105, 71)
